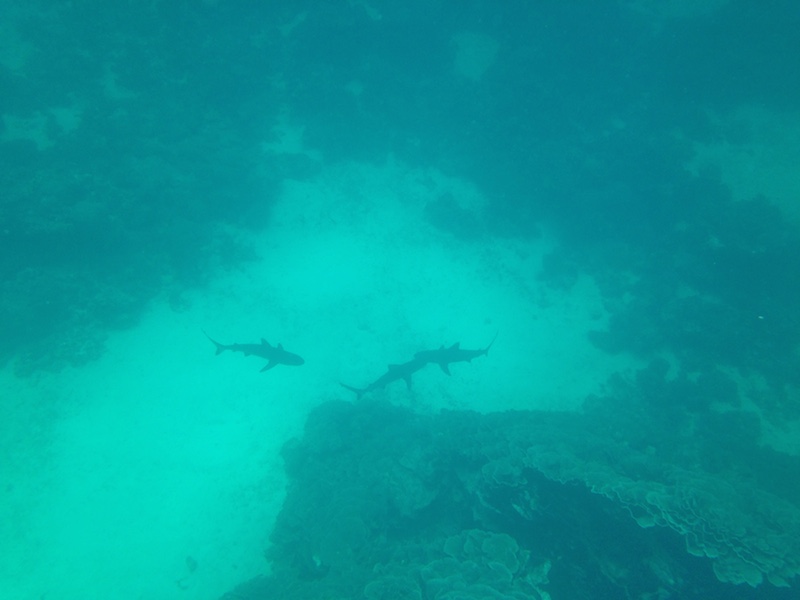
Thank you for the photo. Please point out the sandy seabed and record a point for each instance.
(125, 471)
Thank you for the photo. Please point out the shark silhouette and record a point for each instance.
(393, 373)
(275, 355)
(455, 353)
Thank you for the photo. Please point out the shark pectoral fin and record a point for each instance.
(407, 379)
(268, 366)
(358, 391)
(445, 367)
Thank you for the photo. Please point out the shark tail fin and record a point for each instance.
(220, 348)
(358, 391)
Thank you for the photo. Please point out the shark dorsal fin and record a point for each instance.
(264, 342)
(455, 346)
(280, 346)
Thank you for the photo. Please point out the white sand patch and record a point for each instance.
(156, 458)
(162, 451)
(364, 280)
(756, 154)
(475, 53)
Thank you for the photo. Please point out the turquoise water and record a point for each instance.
(526, 276)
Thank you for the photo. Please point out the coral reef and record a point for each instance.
(387, 504)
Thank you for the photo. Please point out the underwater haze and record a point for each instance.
(419, 300)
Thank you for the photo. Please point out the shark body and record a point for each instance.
(393, 373)
(275, 355)
(455, 353)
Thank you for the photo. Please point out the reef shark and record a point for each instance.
(455, 353)
(275, 355)
(402, 371)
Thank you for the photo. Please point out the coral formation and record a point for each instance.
(386, 504)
